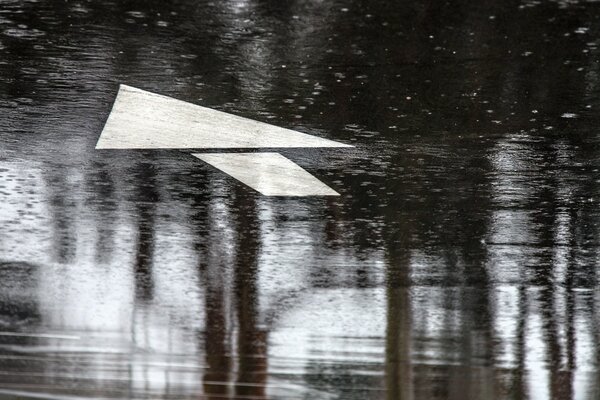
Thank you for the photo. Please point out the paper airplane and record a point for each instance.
(144, 120)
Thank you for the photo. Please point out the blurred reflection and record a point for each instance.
(64, 231)
(16, 304)
(145, 201)
(218, 359)
(399, 375)
(252, 338)
(458, 263)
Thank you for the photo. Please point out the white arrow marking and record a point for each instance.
(271, 174)
(144, 120)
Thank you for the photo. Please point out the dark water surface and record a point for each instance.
(461, 260)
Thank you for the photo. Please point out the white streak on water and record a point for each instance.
(271, 174)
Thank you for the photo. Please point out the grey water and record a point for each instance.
(460, 261)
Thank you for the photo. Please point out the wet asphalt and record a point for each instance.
(460, 261)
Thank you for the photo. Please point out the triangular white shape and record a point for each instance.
(271, 174)
(144, 120)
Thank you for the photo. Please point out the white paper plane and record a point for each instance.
(144, 120)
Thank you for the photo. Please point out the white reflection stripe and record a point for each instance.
(49, 396)
(40, 335)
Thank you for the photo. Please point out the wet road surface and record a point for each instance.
(460, 260)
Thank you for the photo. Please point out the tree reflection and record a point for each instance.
(399, 371)
(252, 339)
(248, 353)
(482, 199)
(218, 359)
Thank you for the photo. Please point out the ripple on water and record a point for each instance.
(24, 33)
(8, 104)
(24, 100)
(136, 14)
(569, 115)
(29, 71)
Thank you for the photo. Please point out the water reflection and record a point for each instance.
(459, 262)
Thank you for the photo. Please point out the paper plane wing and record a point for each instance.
(144, 120)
